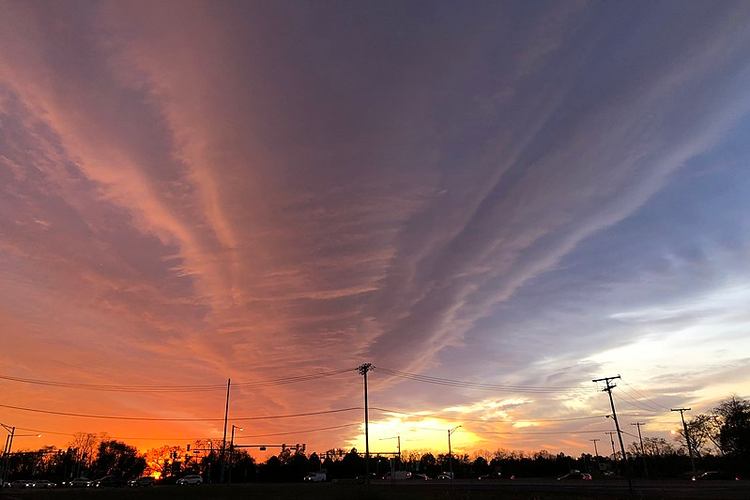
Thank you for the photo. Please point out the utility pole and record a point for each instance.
(363, 369)
(643, 451)
(224, 439)
(612, 440)
(608, 390)
(687, 437)
(596, 452)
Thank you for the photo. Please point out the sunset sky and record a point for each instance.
(492, 202)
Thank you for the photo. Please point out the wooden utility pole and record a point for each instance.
(363, 369)
(596, 452)
(608, 390)
(687, 437)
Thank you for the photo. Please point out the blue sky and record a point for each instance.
(506, 193)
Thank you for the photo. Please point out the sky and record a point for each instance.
(494, 203)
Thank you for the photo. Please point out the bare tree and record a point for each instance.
(84, 446)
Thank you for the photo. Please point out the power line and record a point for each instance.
(634, 403)
(566, 432)
(179, 419)
(509, 421)
(319, 429)
(173, 388)
(666, 408)
(303, 431)
(647, 405)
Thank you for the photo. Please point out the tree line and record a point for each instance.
(720, 440)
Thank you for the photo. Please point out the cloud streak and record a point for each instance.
(195, 192)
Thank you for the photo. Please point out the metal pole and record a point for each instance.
(450, 457)
(224, 439)
(5, 454)
(450, 453)
(8, 448)
(7, 457)
(231, 456)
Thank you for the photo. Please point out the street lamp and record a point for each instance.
(450, 452)
(231, 451)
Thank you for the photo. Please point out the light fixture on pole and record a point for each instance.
(450, 451)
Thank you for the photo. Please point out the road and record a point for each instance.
(604, 488)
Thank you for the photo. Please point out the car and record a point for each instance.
(715, 475)
(81, 482)
(110, 482)
(315, 477)
(398, 475)
(444, 476)
(43, 483)
(576, 475)
(21, 483)
(420, 477)
(190, 480)
(494, 475)
(144, 481)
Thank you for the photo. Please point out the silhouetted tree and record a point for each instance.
(315, 463)
(117, 458)
(734, 427)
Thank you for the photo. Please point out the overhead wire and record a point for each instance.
(319, 429)
(179, 419)
(510, 421)
(174, 388)
(644, 405)
(655, 403)
(635, 404)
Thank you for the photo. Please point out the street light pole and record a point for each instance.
(8, 447)
(231, 452)
(450, 452)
